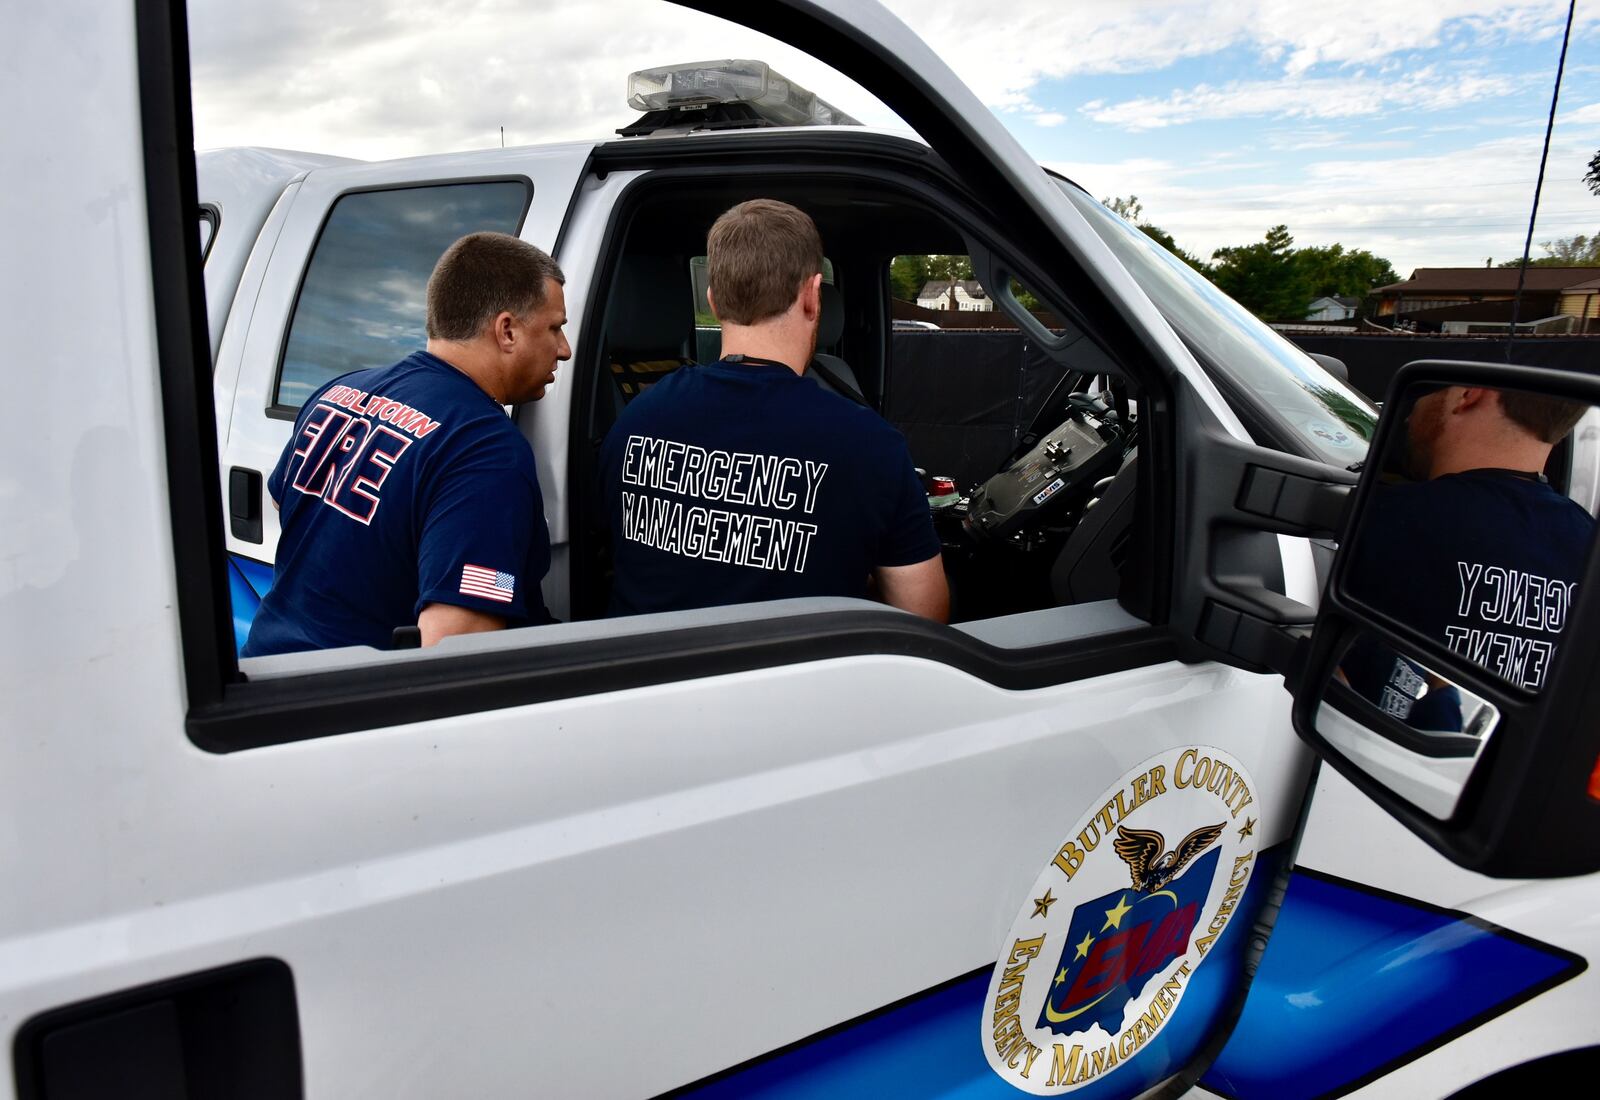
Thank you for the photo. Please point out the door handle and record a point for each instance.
(244, 504)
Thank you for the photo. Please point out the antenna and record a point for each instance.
(502, 137)
(1538, 184)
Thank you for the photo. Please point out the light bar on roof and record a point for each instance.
(771, 95)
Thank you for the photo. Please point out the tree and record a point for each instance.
(907, 276)
(1264, 277)
(1131, 209)
(1331, 272)
(1164, 239)
(1575, 251)
(1593, 178)
(950, 268)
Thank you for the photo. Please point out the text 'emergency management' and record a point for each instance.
(695, 527)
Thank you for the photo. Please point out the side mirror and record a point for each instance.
(1451, 672)
(1332, 365)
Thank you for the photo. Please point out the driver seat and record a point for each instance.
(834, 374)
(1089, 566)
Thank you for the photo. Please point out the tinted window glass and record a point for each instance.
(364, 298)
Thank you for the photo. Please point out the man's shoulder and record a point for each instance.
(684, 398)
(860, 421)
(367, 377)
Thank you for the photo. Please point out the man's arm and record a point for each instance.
(919, 589)
(440, 620)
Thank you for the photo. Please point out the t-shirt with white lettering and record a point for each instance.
(734, 482)
(1486, 562)
(400, 487)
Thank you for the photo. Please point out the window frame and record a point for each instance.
(937, 188)
(226, 712)
(276, 409)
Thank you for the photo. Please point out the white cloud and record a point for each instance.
(1424, 90)
(1445, 209)
(1587, 115)
(1004, 57)
(383, 78)
(377, 80)
(353, 76)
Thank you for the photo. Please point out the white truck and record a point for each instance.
(793, 848)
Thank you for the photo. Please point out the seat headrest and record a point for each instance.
(832, 326)
(650, 315)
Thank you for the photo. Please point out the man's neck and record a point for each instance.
(1528, 458)
(465, 358)
(753, 342)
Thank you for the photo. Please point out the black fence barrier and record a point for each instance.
(963, 399)
(1373, 360)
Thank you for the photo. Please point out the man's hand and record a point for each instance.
(441, 620)
(920, 589)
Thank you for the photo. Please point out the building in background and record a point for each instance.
(969, 296)
(1332, 309)
(1463, 299)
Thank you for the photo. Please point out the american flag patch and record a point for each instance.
(488, 584)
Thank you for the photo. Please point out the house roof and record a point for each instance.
(1591, 286)
(933, 288)
(1488, 280)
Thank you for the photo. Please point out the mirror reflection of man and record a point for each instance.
(1481, 553)
(741, 480)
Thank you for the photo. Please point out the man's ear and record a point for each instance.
(1471, 397)
(811, 297)
(711, 304)
(504, 330)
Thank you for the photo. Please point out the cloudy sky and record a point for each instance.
(1410, 129)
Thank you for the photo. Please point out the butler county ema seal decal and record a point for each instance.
(1113, 931)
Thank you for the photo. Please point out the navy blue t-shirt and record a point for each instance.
(735, 482)
(1485, 561)
(401, 486)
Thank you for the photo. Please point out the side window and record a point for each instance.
(964, 382)
(942, 283)
(362, 301)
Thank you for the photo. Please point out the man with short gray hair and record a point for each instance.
(406, 496)
(742, 480)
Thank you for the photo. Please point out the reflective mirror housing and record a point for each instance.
(1450, 672)
(1405, 724)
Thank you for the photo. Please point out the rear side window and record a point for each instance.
(363, 300)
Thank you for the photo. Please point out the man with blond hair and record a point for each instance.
(741, 480)
(406, 495)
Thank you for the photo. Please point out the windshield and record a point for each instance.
(1334, 419)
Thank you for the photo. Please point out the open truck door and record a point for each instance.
(684, 851)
